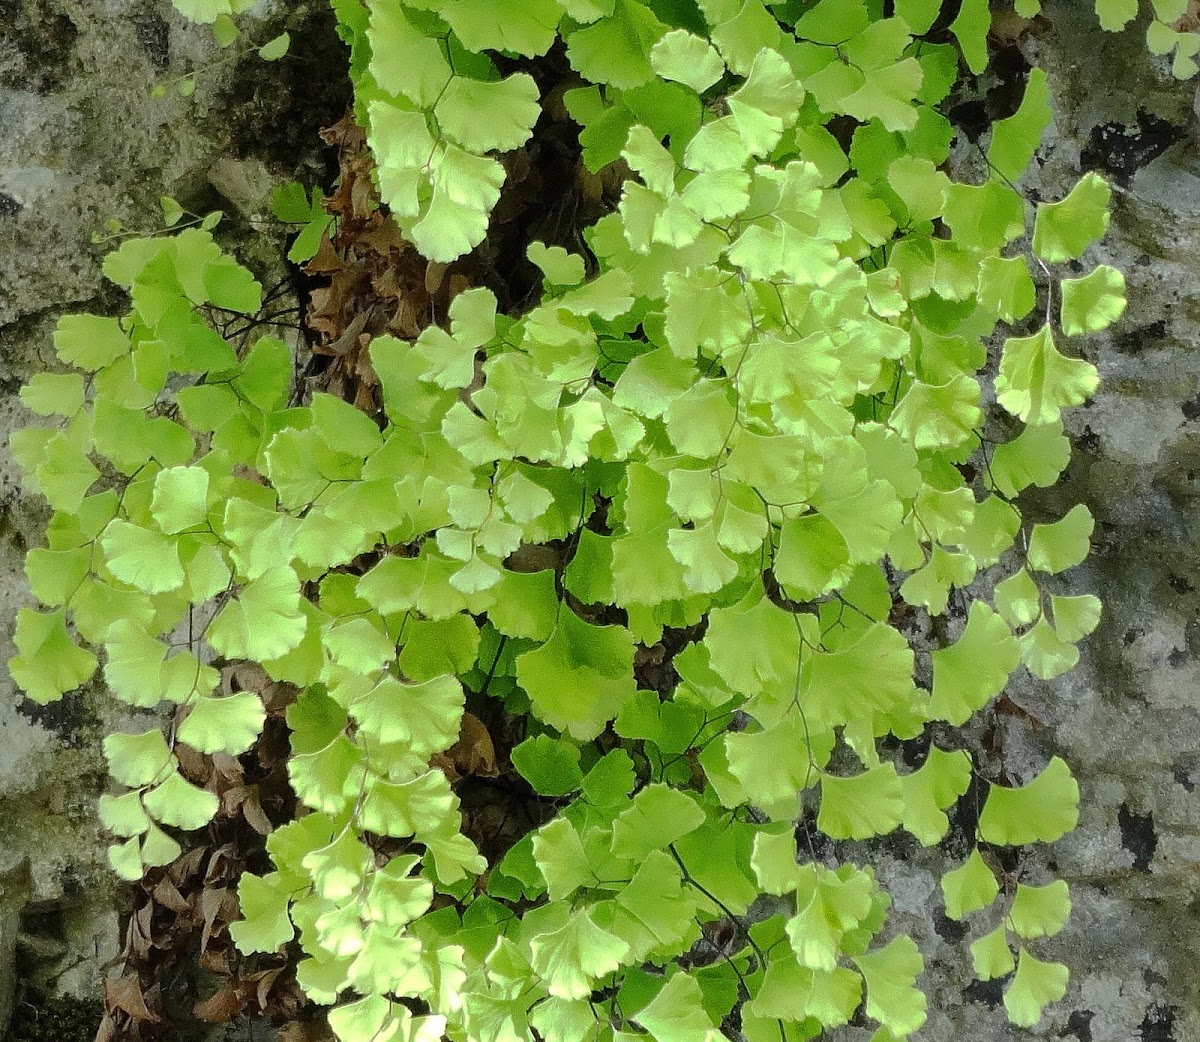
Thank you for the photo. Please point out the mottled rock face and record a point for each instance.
(1127, 718)
(81, 141)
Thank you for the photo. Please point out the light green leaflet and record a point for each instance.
(969, 887)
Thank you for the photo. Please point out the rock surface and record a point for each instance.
(83, 142)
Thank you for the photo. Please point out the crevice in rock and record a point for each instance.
(276, 117)
(154, 34)
(1158, 1025)
(1137, 836)
(1080, 1024)
(948, 930)
(988, 993)
(72, 719)
(36, 43)
(1137, 340)
(1122, 150)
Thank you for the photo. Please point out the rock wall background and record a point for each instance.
(81, 141)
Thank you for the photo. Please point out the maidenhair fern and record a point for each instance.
(758, 429)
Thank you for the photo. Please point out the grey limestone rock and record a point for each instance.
(81, 142)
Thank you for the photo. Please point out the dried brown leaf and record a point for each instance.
(223, 1006)
(167, 895)
(262, 982)
(193, 765)
(435, 273)
(216, 960)
(474, 753)
(246, 676)
(186, 867)
(442, 762)
(227, 769)
(217, 907)
(325, 261)
(125, 994)
(224, 863)
(141, 931)
(107, 1031)
(255, 817)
